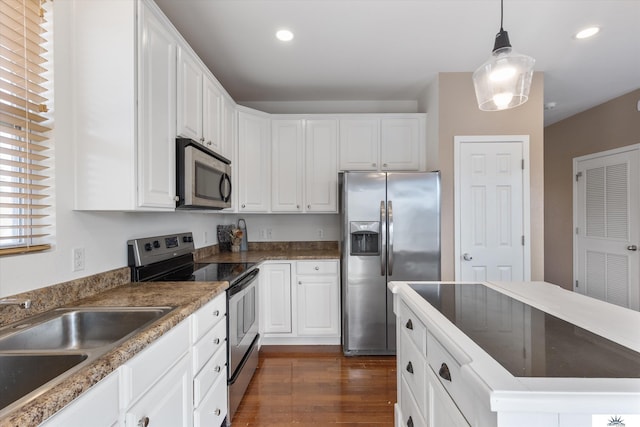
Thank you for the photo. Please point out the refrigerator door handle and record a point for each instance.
(390, 216)
(383, 239)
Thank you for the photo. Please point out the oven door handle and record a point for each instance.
(243, 282)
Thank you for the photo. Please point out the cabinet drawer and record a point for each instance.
(213, 409)
(145, 368)
(442, 363)
(213, 370)
(209, 315)
(317, 267)
(414, 328)
(412, 368)
(411, 415)
(213, 341)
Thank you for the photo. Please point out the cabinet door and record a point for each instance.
(211, 106)
(227, 138)
(97, 407)
(442, 410)
(321, 166)
(168, 403)
(318, 305)
(286, 165)
(189, 114)
(275, 298)
(359, 141)
(400, 144)
(156, 110)
(254, 163)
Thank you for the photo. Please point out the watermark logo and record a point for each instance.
(616, 421)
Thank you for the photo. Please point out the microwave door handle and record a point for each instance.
(225, 179)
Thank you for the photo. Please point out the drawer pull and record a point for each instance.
(409, 324)
(216, 313)
(217, 412)
(217, 369)
(143, 422)
(444, 372)
(410, 422)
(410, 368)
(316, 268)
(216, 341)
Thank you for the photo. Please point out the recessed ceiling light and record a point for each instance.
(587, 32)
(284, 35)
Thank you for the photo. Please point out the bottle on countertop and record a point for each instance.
(244, 245)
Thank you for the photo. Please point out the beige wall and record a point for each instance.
(613, 124)
(459, 115)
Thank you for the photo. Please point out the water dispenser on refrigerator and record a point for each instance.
(365, 237)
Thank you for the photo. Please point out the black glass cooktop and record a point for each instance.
(220, 271)
(526, 341)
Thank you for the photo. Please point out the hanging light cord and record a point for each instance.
(501, 13)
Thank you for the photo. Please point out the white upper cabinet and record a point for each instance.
(321, 166)
(123, 118)
(359, 142)
(200, 103)
(383, 143)
(254, 162)
(400, 141)
(287, 150)
(189, 111)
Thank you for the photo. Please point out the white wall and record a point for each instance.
(290, 227)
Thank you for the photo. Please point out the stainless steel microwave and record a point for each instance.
(203, 177)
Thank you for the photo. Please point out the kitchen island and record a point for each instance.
(513, 354)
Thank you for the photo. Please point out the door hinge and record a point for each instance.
(522, 240)
(577, 285)
(522, 163)
(578, 176)
(577, 231)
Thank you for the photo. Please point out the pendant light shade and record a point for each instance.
(504, 80)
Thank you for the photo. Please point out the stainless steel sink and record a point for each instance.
(20, 374)
(77, 328)
(39, 352)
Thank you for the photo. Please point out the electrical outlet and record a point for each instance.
(78, 259)
(269, 234)
(320, 233)
(263, 234)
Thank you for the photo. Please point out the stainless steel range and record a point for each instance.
(169, 258)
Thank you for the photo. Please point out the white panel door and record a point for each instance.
(607, 216)
(254, 163)
(491, 208)
(189, 110)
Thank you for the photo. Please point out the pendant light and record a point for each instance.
(504, 80)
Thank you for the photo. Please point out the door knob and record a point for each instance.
(467, 257)
(632, 248)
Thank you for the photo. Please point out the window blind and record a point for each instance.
(24, 128)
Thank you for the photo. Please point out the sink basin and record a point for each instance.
(77, 328)
(20, 374)
(39, 352)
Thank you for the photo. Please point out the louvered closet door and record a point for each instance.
(607, 215)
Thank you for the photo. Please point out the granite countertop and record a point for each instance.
(186, 297)
(273, 254)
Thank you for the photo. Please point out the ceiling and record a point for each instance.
(390, 50)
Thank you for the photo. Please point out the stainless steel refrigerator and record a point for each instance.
(390, 226)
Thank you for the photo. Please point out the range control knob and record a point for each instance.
(187, 239)
(147, 246)
(156, 244)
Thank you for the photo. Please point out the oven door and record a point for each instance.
(242, 298)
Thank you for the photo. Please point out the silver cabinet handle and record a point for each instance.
(217, 369)
(467, 257)
(316, 268)
(299, 282)
(216, 341)
(217, 412)
(632, 248)
(216, 313)
(308, 206)
(143, 422)
(244, 206)
(384, 165)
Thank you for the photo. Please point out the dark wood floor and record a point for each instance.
(318, 386)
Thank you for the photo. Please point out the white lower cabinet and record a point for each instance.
(178, 381)
(300, 302)
(98, 407)
(423, 401)
(167, 403)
